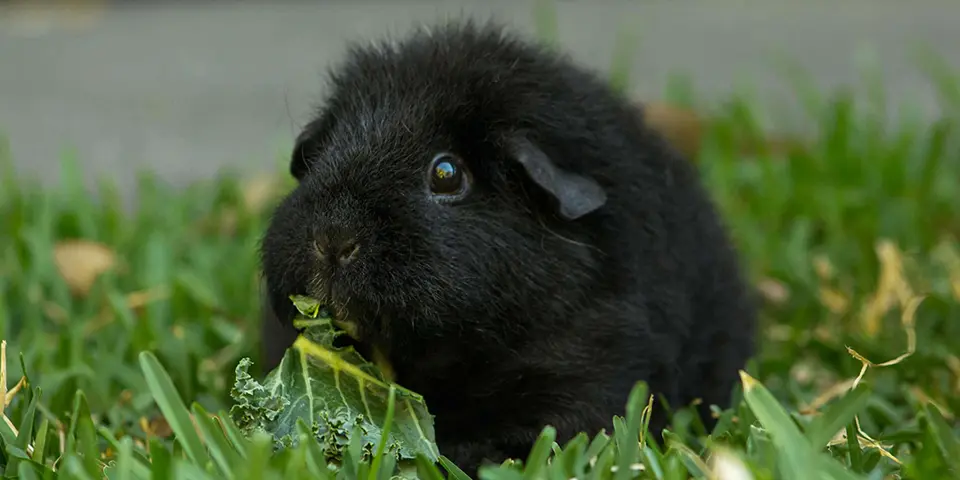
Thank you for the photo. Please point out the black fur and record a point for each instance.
(504, 311)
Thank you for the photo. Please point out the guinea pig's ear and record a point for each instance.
(299, 162)
(310, 140)
(577, 195)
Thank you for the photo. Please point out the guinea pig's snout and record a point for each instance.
(337, 248)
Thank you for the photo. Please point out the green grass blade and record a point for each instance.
(125, 461)
(314, 458)
(40, 441)
(26, 471)
(453, 470)
(537, 459)
(426, 469)
(794, 449)
(161, 464)
(545, 21)
(233, 433)
(170, 403)
(388, 422)
(138, 468)
(825, 426)
(223, 454)
(853, 448)
(948, 442)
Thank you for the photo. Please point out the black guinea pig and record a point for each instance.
(503, 225)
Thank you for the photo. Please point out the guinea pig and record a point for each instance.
(504, 227)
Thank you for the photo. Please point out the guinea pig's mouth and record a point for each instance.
(370, 352)
(350, 339)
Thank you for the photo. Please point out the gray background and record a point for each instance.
(185, 89)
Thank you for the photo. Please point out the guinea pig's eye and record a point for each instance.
(447, 175)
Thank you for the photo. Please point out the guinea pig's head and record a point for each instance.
(441, 186)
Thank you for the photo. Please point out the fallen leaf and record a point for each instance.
(157, 427)
(774, 291)
(834, 300)
(824, 267)
(259, 190)
(683, 128)
(81, 262)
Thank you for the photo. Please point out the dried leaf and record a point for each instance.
(773, 290)
(834, 300)
(259, 191)
(81, 262)
(683, 128)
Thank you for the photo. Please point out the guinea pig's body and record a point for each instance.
(505, 228)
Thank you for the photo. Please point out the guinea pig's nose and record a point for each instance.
(340, 249)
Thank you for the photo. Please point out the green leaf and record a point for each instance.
(335, 391)
(307, 306)
(167, 398)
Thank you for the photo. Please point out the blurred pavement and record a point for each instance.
(187, 89)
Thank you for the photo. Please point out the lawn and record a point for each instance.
(852, 238)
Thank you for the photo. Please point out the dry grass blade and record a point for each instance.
(925, 398)
(908, 321)
(893, 288)
(645, 416)
(831, 393)
(8, 395)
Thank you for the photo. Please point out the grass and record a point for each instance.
(853, 241)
